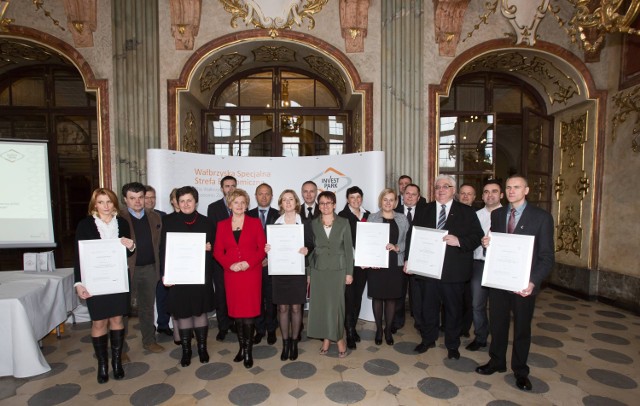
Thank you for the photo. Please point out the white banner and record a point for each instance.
(169, 169)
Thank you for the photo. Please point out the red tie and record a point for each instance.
(511, 225)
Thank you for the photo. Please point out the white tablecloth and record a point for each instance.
(31, 305)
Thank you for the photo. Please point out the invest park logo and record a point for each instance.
(332, 180)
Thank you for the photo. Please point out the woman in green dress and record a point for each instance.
(330, 269)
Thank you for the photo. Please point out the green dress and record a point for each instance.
(330, 262)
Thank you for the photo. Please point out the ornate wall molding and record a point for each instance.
(82, 21)
(449, 16)
(185, 22)
(354, 20)
(627, 103)
(274, 54)
(524, 16)
(326, 69)
(189, 137)
(569, 233)
(217, 69)
(273, 16)
(572, 137)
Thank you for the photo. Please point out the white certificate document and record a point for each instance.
(507, 264)
(371, 245)
(284, 255)
(103, 266)
(185, 258)
(426, 256)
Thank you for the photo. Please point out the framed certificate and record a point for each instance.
(507, 264)
(103, 266)
(426, 256)
(185, 258)
(371, 245)
(284, 256)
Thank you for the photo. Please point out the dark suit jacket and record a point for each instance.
(353, 220)
(272, 215)
(303, 213)
(155, 225)
(539, 223)
(217, 211)
(464, 224)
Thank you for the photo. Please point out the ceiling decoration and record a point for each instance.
(354, 20)
(556, 84)
(217, 69)
(325, 69)
(273, 15)
(185, 22)
(13, 52)
(274, 54)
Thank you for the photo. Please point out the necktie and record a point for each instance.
(511, 225)
(409, 216)
(263, 218)
(310, 212)
(442, 218)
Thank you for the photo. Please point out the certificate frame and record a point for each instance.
(184, 262)
(284, 257)
(371, 245)
(103, 266)
(428, 249)
(507, 265)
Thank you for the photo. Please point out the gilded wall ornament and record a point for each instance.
(354, 22)
(82, 20)
(14, 53)
(569, 233)
(524, 16)
(274, 54)
(217, 69)
(325, 69)
(39, 4)
(556, 84)
(627, 103)
(559, 187)
(185, 22)
(573, 135)
(273, 15)
(582, 185)
(189, 140)
(539, 188)
(4, 21)
(357, 133)
(449, 16)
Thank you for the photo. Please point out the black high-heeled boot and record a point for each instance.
(248, 330)
(388, 336)
(240, 355)
(100, 348)
(293, 353)
(185, 341)
(117, 341)
(285, 349)
(378, 338)
(201, 339)
(351, 339)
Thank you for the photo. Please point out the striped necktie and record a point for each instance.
(263, 217)
(442, 218)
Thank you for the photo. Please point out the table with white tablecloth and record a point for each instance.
(31, 305)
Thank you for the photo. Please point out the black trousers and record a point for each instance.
(222, 312)
(266, 321)
(502, 304)
(434, 294)
(353, 297)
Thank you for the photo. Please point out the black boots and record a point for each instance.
(240, 355)
(351, 338)
(293, 352)
(100, 348)
(185, 341)
(117, 341)
(201, 338)
(247, 332)
(286, 348)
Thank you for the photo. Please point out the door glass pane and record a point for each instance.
(28, 92)
(470, 97)
(324, 97)
(256, 92)
(30, 127)
(229, 96)
(506, 99)
(70, 93)
(298, 93)
(239, 134)
(539, 158)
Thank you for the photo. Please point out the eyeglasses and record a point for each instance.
(325, 203)
(445, 187)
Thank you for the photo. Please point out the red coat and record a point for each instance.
(243, 289)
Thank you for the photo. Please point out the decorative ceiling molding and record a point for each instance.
(327, 71)
(274, 54)
(185, 22)
(13, 52)
(627, 103)
(524, 16)
(217, 69)
(449, 16)
(82, 21)
(558, 86)
(354, 20)
(273, 15)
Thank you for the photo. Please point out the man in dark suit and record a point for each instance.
(216, 212)
(266, 323)
(518, 217)
(464, 234)
(411, 206)
(309, 210)
(403, 182)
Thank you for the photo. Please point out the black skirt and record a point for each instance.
(289, 289)
(105, 306)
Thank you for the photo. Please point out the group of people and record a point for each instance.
(253, 304)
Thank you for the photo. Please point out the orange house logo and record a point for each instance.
(332, 180)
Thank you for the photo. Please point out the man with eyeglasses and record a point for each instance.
(463, 237)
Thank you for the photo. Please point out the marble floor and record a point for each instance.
(583, 353)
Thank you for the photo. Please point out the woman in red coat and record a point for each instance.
(239, 248)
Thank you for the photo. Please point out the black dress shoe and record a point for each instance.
(488, 369)
(465, 334)
(453, 354)
(271, 337)
(394, 330)
(522, 382)
(423, 347)
(221, 335)
(356, 336)
(258, 338)
(378, 338)
(388, 337)
(166, 331)
(475, 346)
